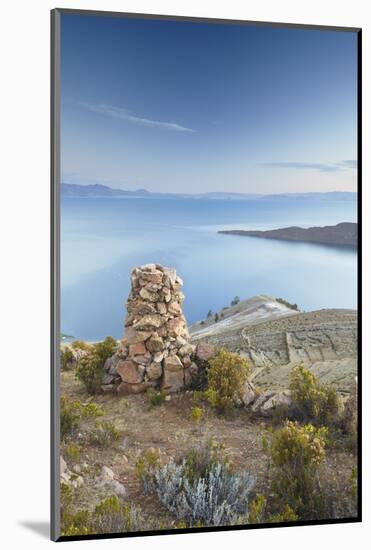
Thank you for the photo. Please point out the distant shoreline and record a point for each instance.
(342, 234)
(70, 190)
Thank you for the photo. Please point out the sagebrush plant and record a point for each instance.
(227, 377)
(296, 453)
(104, 434)
(200, 489)
(90, 366)
(73, 412)
(316, 402)
(219, 498)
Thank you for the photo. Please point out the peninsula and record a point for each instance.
(342, 234)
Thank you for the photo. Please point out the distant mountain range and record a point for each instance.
(97, 190)
(342, 234)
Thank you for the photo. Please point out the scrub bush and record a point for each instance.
(227, 376)
(80, 345)
(67, 358)
(104, 434)
(90, 367)
(72, 413)
(197, 414)
(316, 403)
(114, 516)
(156, 398)
(296, 453)
(111, 515)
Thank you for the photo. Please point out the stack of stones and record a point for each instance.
(156, 349)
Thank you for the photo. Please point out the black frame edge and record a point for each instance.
(359, 269)
(196, 19)
(55, 274)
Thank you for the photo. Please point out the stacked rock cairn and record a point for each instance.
(155, 350)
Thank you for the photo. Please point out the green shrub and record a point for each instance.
(72, 452)
(156, 398)
(197, 414)
(91, 410)
(287, 515)
(104, 434)
(72, 523)
(257, 510)
(80, 345)
(70, 416)
(73, 412)
(227, 376)
(111, 515)
(349, 422)
(67, 358)
(90, 372)
(235, 301)
(146, 467)
(316, 403)
(90, 367)
(296, 453)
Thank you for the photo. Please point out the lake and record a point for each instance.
(103, 239)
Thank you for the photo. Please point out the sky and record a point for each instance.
(198, 107)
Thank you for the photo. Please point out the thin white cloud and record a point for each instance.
(321, 167)
(122, 114)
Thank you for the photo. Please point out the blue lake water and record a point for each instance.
(103, 239)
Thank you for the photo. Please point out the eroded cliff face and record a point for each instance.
(156, 349)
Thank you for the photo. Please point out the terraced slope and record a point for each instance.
(324, 340)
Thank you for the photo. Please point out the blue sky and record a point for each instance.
(197, 107)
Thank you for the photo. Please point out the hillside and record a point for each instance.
(246, 312)
(275, 338)
(342, 234)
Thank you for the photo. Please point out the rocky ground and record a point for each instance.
(169, 429)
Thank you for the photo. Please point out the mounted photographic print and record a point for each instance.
(205, 270)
